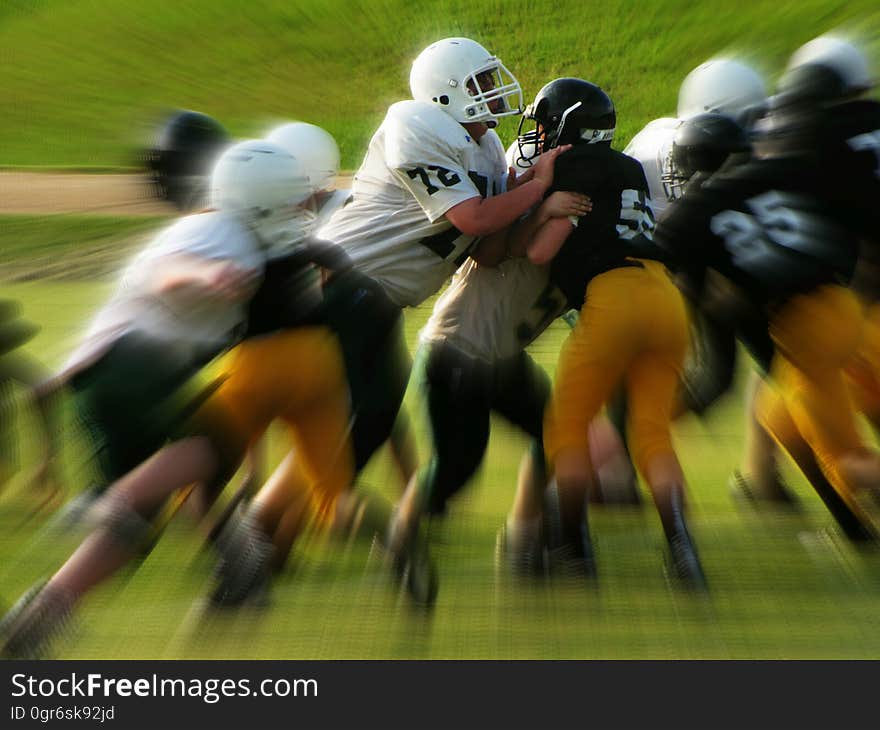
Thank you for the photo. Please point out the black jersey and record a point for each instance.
(290, 294)
(618, 228)
(770, 226)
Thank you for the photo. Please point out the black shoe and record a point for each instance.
(685, 564)
(572, 560)
(34, 622)
(242, 574)
(406, 553)
(741, 487)
(528, 560)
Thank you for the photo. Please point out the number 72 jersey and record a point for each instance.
(420, 163)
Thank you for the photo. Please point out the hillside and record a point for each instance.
(84, 79)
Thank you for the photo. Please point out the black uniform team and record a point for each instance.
(745, 218)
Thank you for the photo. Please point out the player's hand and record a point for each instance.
(515, 179)
(544, 167)
(511, 179)
(563, 204)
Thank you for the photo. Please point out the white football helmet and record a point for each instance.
(466, 81)
(265, 186)
(314, 147)
(841, 56)
(723, 85)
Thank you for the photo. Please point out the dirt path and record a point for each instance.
(36, 193)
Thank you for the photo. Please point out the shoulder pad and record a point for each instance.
(414, 129)
(491, 139)
(199, 232)
(631, 171)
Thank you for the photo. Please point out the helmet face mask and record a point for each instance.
(702, 144)
(566, 111)
(180, 160)
(461, 77)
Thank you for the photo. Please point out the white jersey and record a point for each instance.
(653, 148)
(420, 163)
(196, 329)
(492, 313)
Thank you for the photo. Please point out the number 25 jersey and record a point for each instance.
(420, 163)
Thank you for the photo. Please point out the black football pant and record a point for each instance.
(462, 392)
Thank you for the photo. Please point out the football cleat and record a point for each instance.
(242, 574)
(741, 487)
(525, 560)
(34, 622)
(685, 564)
(405, 552)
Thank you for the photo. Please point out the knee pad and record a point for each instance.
(126, 525)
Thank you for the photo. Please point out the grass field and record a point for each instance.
(783, 585)
(87, 78)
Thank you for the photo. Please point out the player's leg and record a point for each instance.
(457, 396)
(127, 402)
(817, 335)
(758, 478)
(591, 364)
(774, 417)
(402, 442)
(520, 393)
(652, 381)
(124, 526)
(297, 375)
(863, 371)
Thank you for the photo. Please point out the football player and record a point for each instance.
(430, 193)
(725, 85)
(786, 243)
(182, 301)
(319, 153)
(180, 160)
(732, 87)
(473, 350)
(757, 475)
(632, 327)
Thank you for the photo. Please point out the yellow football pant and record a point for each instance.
(816, 336)
(633, 329)
(297, 376)
(863, 371)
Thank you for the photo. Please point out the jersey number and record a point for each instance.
(447, 178)
(548, 305)
(751, 237)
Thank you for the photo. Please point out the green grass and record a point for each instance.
(781, 587)
(84, 79)
(68, 246)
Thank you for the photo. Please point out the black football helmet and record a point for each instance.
(181, 158)
(702, 144)
(567, 111)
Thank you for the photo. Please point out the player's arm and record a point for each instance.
(492, 250)
(199, 277)
(560, 204)
(548, 239)
(479, 216)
